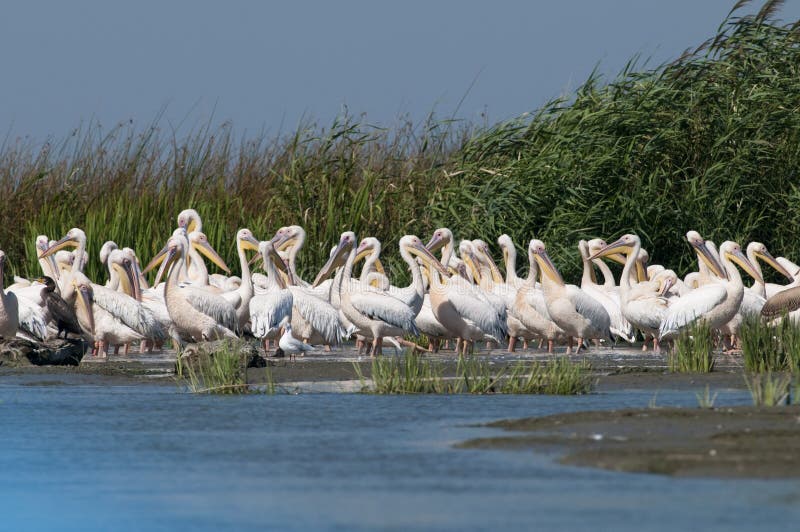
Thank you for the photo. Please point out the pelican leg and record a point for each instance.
(580, 344)
(525, 344)
(549, 346)
(512, 343)
(101, 350)
(656, 347)
(116, 350)
(326, 348)
(569, 345)
(374, 350)
(126, 349)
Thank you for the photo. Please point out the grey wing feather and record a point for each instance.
(782, 303)
(386, 308)
(130, 312)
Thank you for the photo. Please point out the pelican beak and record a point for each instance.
(379, 266)
(85, 299)
(362, 252)
(469, 260)
(616, 257)
(548, 268)
(427, 257)
(156, 260)
(739, 258)
(129, 279)
(613, 250)
(170, 256)
(665, 286)
(709, 260)
(249, 243)
(61, 244)
(497, 277)
(767, 257)
(211, 254)
(641, 270)
(333, 262)
(282, 241)
(435, 244)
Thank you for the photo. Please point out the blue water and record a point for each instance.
(82, 457)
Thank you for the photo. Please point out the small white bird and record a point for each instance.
(291, 345)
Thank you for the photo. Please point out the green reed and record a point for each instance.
(694, 350)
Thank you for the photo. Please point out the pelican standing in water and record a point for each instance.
(641, 304)
(572, 309)
(272, 307)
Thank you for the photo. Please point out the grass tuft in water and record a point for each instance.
(414, 374)
(694, 350)
(557, 377)
(705, 399)
(768, 347)
(768, 388)
(223, 371)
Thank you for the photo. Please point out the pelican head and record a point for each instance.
(74, 237)
(268, 252)
(485, 255)
(189, 220)
(596, 244)
(42, 243)
(288, 236)
(470, 258)
(666, 280)
(704, 253)
(441, 237)
(537, 250)
(246, 240)
(506, 245)
(624, 244)
(346, 243)
(414, 246)
(199, 241)
(107, 248)
(760, 252)
(733, 252)
(121, 263)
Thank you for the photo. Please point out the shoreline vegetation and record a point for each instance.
(707, 141)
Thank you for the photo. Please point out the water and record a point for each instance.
(81, 457)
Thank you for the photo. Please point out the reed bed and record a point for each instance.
(222, 372)
(654, 151)
(768, 388)
(414, 375)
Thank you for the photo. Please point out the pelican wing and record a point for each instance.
(32, 318)
(212, 305)
(233, 297)
(686, 309)
(752, 303)
(267, 311)
(782, 303)
(619, 325)
(129, 312)
(384, 307)
(590, 308)
(322, 316)
(478, 311)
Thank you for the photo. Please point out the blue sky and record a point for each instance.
(269, 64)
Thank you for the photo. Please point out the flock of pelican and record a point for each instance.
(456, 293)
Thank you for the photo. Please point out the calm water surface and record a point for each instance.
(80, 457)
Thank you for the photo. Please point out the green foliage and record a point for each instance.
(694, 350)
(655, 151)
(414, 374)
(222, 372)
(770, 348)
(768, 388)
(705, 399)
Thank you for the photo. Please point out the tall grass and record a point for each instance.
(694, 350)
(415, 375)
(655, 151)
(768, 388)
(770, 348)
(223, 371)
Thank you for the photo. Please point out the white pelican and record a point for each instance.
(459, 306)
(189, 220)
(240, 297)
(716, 302)
(270, 308)
(572, 309)
(443, 239)
(183, 303)
(641, 304)
(375, 313)
(757, 252)
(604, 295)
(530, 307)
(510, 261)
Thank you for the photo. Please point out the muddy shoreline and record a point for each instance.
(739, 442)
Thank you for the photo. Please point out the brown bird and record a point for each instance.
(61, 312)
